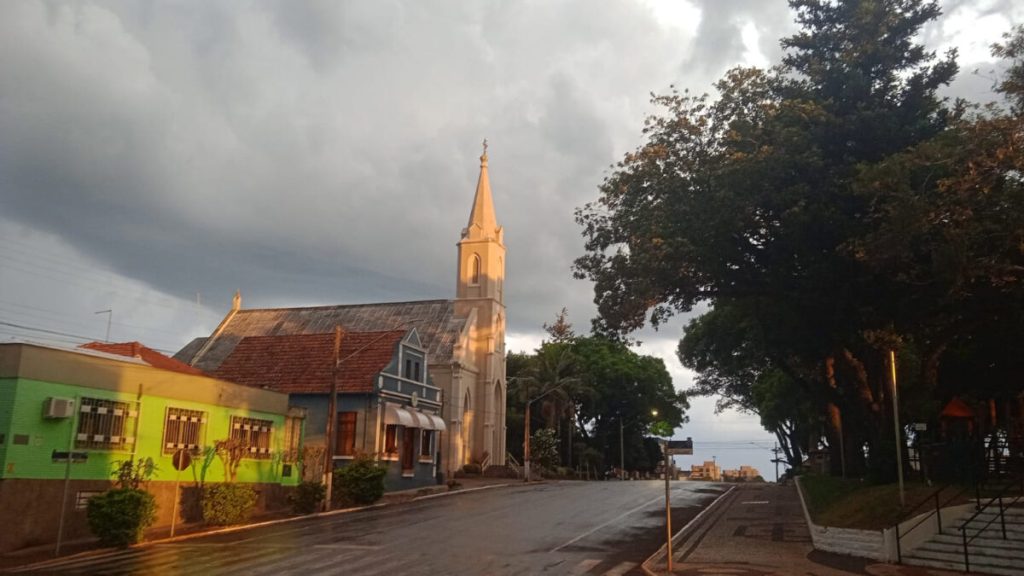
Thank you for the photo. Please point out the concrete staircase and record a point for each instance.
(988, 552)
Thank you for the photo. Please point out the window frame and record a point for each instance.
(426, 443)
(353, 427)
(241, 428)
(292, 439)
(475, 266)
(200, 434)
(390, 446)
(106, 415)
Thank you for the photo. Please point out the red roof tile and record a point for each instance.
(147, 355)
(301, 363)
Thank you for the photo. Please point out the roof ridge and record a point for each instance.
(335, 306)
(399, 331)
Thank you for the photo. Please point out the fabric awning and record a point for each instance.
(421, 419)
(394, 414)
(437, 421)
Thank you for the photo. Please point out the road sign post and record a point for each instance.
(181, 460)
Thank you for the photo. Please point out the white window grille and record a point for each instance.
(183, 429)
(253, 434)
(106, 424)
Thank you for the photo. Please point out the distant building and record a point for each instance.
(708, 472)
(743, 474)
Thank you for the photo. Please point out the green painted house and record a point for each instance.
(67, 416)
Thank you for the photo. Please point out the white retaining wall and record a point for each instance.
(880, 544)
(848, 541)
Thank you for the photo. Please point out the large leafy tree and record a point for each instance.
(588, 389)
(755, 201)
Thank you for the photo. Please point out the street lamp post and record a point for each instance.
(896, 425)
(622, 452)
(668, 506)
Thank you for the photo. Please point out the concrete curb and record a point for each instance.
(646, 566)
(241, 527)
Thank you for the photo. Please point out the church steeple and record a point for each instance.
(482, 249)
(483, 224)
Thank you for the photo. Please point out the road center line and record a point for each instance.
(617, 518)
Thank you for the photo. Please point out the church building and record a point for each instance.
(464, 339)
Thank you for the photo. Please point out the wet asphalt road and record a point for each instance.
(558, 528)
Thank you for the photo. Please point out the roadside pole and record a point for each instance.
(622, 453)
(526, 441)
(668, 515)
(181, 460)
(896, 424)
(67, 475)
(332, 416)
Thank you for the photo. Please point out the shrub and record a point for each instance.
(471, 468)
(544, 448)
(307, 497)
(121, 515)
(225, 504)
(360, 482)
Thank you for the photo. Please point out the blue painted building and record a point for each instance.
(386, 405)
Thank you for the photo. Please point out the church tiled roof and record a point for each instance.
(434, 320)
(302, 363)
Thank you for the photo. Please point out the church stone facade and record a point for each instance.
(464, 338)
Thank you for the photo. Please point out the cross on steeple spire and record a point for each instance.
(482, 221)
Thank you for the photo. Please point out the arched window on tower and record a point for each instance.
(474, 270)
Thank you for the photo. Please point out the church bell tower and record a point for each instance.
(480, 294)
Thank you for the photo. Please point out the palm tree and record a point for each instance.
(549, 377)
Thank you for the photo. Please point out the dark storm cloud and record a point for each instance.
(720, 44)
(323, 152)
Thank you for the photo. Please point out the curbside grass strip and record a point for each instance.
(647, 565)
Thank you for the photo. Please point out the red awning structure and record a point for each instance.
(956, 408)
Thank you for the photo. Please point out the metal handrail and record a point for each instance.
(510, 460)
(934, 496)
(1002, 516)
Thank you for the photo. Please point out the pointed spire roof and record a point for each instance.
(482, 216)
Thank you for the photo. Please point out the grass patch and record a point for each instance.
(857, 504)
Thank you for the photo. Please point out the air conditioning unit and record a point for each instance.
(59, 408)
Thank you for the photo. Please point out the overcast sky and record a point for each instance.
(156, 156)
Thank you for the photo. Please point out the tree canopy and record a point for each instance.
(830, 209)
(592, 391)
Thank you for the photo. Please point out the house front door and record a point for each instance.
(408, 449)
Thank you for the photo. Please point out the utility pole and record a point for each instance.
(332, 409)
(775, 452)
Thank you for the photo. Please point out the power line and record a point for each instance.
(66, 334)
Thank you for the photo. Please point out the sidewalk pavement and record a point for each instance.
(760, 530)
(85, 546)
